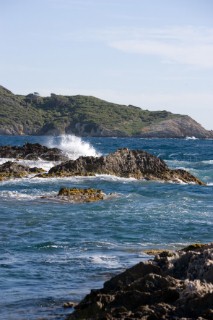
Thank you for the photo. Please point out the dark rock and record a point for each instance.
(32, 151)
(10, 170)
(124, 163)
(156, 289)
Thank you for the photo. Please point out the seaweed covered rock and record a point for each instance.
(32, 151)
(176, 285)
(11, 170)
(80, 195)
(126, 163)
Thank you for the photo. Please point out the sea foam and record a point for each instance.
(72, 146)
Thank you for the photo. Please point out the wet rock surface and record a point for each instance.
(124, 163)
(32, 151)
(175, 285)
(76, 195)
(11, 170)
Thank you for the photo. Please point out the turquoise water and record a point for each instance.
(53, 252)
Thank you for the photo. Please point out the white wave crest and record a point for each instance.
(17, 195)
(191, 138)
(208, 161)
(24, 196)
(108, 261)
(44, 164)
(109, 177)
(73, 146)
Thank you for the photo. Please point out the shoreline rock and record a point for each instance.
(174, 285)
(125, 163)
(12, 170)
(32, 151)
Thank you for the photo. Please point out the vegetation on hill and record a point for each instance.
(81, 115)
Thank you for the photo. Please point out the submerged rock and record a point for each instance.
(80, 195)
(176, 285)
(32, 151)
(126, 163)
(11, 170)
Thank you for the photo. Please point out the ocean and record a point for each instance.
(53, 252)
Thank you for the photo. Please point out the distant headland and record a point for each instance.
(87, 116)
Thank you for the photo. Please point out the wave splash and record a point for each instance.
(73, 146)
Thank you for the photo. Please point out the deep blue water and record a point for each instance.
(53, 252)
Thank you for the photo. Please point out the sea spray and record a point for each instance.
(73, 146)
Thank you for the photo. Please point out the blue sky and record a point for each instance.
(155, 54)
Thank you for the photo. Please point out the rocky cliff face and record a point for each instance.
(181, 127)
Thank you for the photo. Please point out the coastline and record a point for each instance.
(75, 247)
(172, 285)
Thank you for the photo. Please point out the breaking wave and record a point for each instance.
(73, 146)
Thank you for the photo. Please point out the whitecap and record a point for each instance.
(44, 164)
(207, 161)
(17, 195)
(109, 177)
(109, 261)
(25, 196)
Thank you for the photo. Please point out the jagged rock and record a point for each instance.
(156, 289)
(10, 170)
(123, 163)
(32, 151)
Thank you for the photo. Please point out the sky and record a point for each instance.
(154, 54)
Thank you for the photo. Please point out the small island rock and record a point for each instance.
(76, 195)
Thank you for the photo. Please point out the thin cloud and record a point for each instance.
(182, 45)
(185, 45)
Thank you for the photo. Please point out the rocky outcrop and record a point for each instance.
(75, 195)
(123, 163)
(180, 127)
(11, 170)
(175, 285)
(32, 151)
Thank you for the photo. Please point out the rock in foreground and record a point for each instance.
(32, 151)
(11, 170)
(124, 163)
(175, 285)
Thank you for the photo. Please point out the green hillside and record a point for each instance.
(85, 115)
(89, 116)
